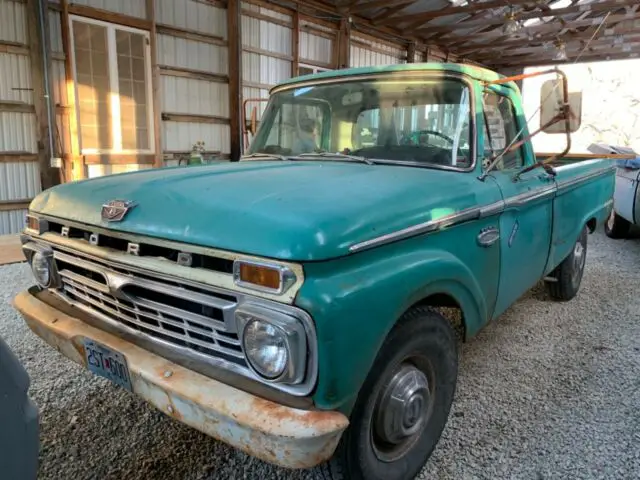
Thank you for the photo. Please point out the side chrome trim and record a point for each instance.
(565, 184)
(526, 197)
(492, 209)
(422, 228)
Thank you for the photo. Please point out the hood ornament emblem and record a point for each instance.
(115, 210)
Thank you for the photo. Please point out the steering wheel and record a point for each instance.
(413, 138)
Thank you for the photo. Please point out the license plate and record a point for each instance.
(107, 363)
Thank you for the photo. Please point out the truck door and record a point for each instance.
(525, 224)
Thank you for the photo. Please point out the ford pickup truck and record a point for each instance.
(306, 303)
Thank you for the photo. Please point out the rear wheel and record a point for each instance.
(616, 226)
(565, 280)
(404, 403)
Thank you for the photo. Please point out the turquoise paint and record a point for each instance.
(313, 212)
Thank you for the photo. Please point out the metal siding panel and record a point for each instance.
(181, 136)
(266, 35)
(102, 170)
(316, 48)
(17, 132)
(55, 32)
(19, 180)
(182, 53)
(15, 78)
(13, 23)
(188, 95)
(59, 82)
(12, 221)
(193, 16)
(134, 8)
(263, 69)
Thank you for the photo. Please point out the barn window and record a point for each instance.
(112, 73)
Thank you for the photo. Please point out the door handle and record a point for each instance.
(488, 236)
(545, 177)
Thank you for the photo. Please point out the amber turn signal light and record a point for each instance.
(259, 275)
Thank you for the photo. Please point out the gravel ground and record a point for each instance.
(548, 391)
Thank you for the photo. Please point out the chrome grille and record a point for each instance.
(192, 317)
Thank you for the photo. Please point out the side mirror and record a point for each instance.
(551, 107)
(252, 127)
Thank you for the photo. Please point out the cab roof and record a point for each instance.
(475, 72)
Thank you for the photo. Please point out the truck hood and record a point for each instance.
(286, 210)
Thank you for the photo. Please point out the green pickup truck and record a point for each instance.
(305, 304)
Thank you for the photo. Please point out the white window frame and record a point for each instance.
(315, 68)
(114, 88)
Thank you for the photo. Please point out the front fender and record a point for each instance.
(355, 302)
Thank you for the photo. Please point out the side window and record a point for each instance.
(501, 129)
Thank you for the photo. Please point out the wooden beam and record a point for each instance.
(19, 204)
(140, 159)
(257, 85)
(267, 53)
(18, 157)
(417, 19)
(389, 12)
(265, 18)
(535, 62)
(604, 7)
(315, 63)
(155, 83)
(344, 44)
(411, 53)
(74, 163)
(48, 176)
(234, 31)
(107, 16)
(295, 44)
(191, 118)
(375, 4)
(190, 35)
(13, 47)
(189, 73)
(17, 107)
(572, 55)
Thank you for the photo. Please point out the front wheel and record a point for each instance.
(616, 226)
(403, 405)
(565, 280)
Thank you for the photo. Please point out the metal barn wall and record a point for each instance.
(133, 8)
(316, 44)
(366, 52)
(19, 170)
(194, 89)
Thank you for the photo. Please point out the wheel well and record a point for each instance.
(449, 308)
(592, 224)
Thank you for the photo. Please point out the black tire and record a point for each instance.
(423, 346)
(566, 278)
(616, 226)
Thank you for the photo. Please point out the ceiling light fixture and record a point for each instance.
(561, 52)
(511, 25)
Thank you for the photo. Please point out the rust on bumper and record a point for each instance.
(281, 435)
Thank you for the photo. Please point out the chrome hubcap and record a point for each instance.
(402, 411)
(579, 258)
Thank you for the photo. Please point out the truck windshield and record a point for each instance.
(423, 122)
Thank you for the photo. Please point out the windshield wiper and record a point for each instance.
(264, 155)
(340, 156)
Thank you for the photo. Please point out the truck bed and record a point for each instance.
(572, 158)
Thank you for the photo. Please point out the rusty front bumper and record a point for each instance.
(281, 435)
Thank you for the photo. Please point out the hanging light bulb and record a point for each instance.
(511, 25)
(561, 52)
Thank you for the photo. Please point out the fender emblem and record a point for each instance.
(516, 226)
(115, 210)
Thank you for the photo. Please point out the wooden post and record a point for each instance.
(48, 176)
(76, 167)
(295, 44)
(411, 53)
(158, 160)
(344, 44)
(235, 76)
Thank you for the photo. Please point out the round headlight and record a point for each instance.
(266, 348)
(41, 269)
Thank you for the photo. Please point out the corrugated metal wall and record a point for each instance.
(19, 170)
(316, 44)
(206, 97)
(133, 8)
(366, 52)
